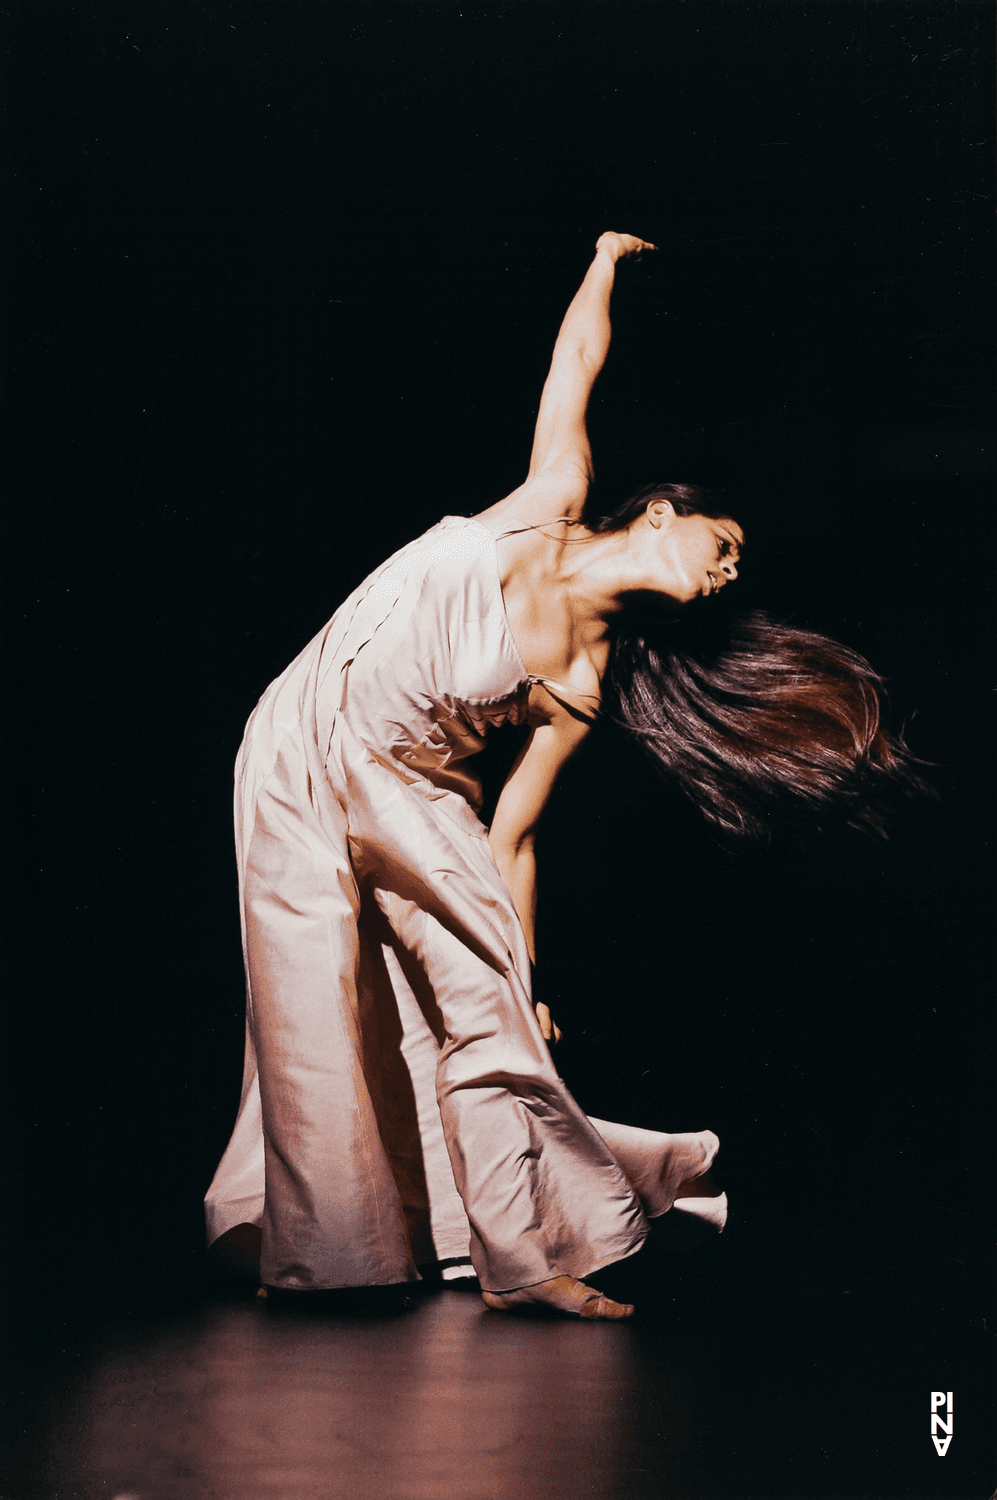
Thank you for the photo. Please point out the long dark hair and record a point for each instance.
(754, 719)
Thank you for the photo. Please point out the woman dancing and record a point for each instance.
(400, 1106)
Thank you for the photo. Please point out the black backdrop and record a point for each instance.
(285, 279)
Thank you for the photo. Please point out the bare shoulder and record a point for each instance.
(541, 498)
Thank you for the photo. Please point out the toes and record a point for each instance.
(604, 1307)
(573, 1299)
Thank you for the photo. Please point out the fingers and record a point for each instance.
(548, 1029)
(635, 246)
(543, 1016)
(622, 245)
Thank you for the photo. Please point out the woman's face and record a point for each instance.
(701, 554)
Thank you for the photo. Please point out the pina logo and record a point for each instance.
(941, 1420)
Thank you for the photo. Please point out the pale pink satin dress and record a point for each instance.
(399, 1104)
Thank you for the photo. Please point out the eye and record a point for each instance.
(724, 546)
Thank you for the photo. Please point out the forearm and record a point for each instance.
(586, 329)
(518, 867)
(523, 799)
(560, 442)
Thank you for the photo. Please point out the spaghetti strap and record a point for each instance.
(572, 697)
(533, 526)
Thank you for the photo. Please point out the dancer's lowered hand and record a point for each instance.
(551, 1032)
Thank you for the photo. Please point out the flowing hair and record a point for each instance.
(754, 719)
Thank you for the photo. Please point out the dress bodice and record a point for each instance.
(416, 665)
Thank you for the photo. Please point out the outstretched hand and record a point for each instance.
(621, 245)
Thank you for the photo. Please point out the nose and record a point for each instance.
(728, 569)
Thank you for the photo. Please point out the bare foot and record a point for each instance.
(561, 1294)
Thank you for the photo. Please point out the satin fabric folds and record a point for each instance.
(399, 1104)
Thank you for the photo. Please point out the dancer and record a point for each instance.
(400, 1106)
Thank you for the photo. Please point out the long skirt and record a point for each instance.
(399, 1103)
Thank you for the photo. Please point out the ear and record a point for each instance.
(661, 514)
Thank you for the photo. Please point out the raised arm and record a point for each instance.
(561, 462)
(523, 798)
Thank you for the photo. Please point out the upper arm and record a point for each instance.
(560, 440)
(531, 780)
(561, 462)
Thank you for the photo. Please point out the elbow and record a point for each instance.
(575, 349)
(510, 846)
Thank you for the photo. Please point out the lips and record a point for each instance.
(713, 583)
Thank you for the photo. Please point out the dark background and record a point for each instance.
(283, 283)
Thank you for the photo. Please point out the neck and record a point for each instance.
(600, 570)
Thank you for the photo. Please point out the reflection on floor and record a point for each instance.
(446, 1400)
(781, 1372)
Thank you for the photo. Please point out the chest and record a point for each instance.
(551, 638)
